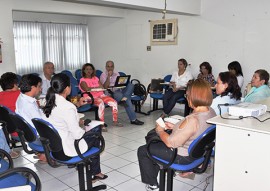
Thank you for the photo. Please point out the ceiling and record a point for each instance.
(189, 7)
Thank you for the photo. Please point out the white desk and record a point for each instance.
(242, 155)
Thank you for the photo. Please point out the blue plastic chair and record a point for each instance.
(8, 126)
(200, 150)
(13, 177)
(158, 96)
(27, 134)
(52, 143)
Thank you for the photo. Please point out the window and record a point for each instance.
(66, 45)
(164, 32)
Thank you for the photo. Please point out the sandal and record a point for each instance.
(104, 129)
(97, 178)
(42, 162)
(118, 124)
(14, 154)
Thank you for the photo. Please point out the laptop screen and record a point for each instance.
(122, 81)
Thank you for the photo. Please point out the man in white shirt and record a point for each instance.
(26, 104)
(48, 71)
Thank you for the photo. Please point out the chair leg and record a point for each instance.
(89, 180)
(80, 168)
(162, 173)
(170, 173)
(137, 105)
(155, 106)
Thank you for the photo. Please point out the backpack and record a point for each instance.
(139, 89)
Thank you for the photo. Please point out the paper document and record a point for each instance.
(93, 124)
(97, 90)
(174, 119)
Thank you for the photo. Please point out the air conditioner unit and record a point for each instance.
(164, 32)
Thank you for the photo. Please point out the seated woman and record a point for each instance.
(206, 73)
(63, 115)
(228, 91)
(89, 82)
(260, 89)
(199, 97)
(235, 68)
(178, 84)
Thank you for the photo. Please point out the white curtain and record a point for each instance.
(66, 45)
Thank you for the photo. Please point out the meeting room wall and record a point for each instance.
(225, 31)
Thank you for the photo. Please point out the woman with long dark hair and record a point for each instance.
(228, 91)
(235, 68)
(63, 115)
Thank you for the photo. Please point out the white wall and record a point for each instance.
(225, 31)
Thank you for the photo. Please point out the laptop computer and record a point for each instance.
(122, 81)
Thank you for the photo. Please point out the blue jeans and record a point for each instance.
(3, 142)
(126, 92)
(170, 98)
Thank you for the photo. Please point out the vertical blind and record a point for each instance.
(66, 45)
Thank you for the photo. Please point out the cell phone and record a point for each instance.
(86, 122)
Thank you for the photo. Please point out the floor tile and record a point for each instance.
(131, 185)
(116, 163)
(131, 170)
(115, 178)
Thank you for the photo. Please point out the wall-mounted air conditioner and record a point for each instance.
(164, 32)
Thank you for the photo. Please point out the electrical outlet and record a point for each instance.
(148, 48)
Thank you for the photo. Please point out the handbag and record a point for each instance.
(152, 135)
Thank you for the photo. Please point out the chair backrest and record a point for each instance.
(197, 147)
(98, 73)
(167, 78)
(122, 73)
(73, 82)
(78, 75)
(48, 132)
(4, 118)
(21, 124)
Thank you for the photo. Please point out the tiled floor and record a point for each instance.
(119, 161)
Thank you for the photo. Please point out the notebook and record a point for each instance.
(122, 81)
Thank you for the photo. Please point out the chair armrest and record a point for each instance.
(94, 135)
(207, 155)
(90, 95)
(164, 165)
(4, 154)
(26, 172)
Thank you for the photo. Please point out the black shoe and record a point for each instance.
(123, 103)
(97, 178)
(137, 122)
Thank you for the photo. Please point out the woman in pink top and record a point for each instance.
(89, 82)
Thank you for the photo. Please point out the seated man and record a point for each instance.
(108, 79)
(26, 105)
(48, 71)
